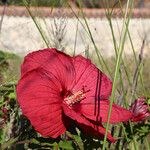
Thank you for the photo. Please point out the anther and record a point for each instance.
(76, 97)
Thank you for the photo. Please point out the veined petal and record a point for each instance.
(90, 77)
(85, 124)
(53, 61)
(97, 87)
(99, 112)
(38, 94)
(97, 131)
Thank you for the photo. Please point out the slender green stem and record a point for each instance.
(87, 29)
(147, 143)
(75, 43)
(35, 22)
(121, 47)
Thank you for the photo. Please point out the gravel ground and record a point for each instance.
(21, 36)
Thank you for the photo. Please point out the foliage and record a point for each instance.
(62, 3)
(9, 69)
(47, 3)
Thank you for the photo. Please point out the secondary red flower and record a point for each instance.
(140, 110)
(54, 85)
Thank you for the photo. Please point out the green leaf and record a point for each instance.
(66, 145)
(12, 96)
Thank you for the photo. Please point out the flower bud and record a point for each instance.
(4, 110)
(140, 110)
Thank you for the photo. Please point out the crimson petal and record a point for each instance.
(53, 61)
(39, 98)
(91, 77)
(85, 124)
(98, 86)
(99, 113)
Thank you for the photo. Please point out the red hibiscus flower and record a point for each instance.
(54, 85)
(140, 110)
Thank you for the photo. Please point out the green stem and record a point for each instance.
(120, 51)
(35, 22)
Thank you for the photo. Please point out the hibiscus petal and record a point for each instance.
(90, 77)
(99, 113)
(39, 98)
(85, 124)
(97, 131)
(53, 61)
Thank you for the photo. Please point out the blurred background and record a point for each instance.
(62, 29)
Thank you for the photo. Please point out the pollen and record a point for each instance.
(76, 97)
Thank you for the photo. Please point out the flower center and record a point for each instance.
(76, 97)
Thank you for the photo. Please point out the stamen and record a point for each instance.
(76, 97)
